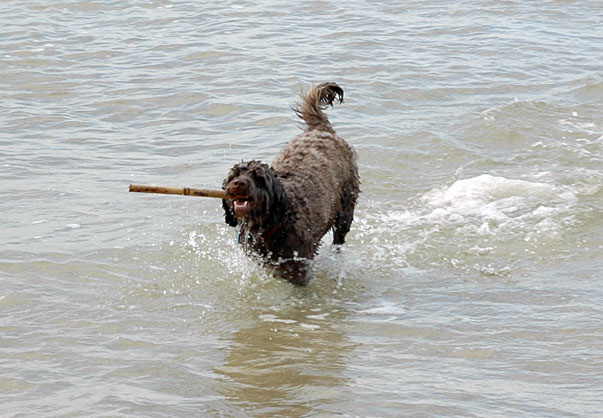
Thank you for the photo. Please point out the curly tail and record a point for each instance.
(315, 101)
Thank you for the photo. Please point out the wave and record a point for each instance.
(486, 223)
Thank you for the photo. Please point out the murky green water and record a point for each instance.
(471, 282)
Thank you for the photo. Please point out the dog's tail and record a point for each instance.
(315, 101)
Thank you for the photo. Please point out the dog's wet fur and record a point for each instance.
(283, 211)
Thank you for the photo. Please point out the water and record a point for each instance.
(471, 282)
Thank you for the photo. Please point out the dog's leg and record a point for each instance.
(295, 271)
(342, 225)
(344, 219)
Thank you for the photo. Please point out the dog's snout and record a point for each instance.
(238, 187)
(241, 183)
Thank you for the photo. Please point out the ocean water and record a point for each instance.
(470, 284)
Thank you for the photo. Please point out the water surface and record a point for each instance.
(471, 281)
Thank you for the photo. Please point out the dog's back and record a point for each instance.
(318, 169)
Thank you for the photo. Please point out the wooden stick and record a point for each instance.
(186, 191)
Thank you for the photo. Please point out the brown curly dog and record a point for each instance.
(283, 211)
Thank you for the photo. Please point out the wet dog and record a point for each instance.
(283, 211)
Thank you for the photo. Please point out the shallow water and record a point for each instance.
(470, 283)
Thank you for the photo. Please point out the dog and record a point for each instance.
(283, 211)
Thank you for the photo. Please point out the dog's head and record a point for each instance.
(255, 195)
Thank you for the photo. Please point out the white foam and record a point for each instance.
(480, 223)
(386, 312)
(386, 308)
(495, 199)
(274, 318)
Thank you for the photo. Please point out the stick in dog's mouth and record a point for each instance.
(185, 191)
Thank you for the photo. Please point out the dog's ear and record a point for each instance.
(280, 203)
(229, 215)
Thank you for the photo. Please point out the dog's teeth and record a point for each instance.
(241, 207)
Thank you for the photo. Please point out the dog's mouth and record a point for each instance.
(242, 207)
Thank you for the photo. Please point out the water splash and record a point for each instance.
(486, 224)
